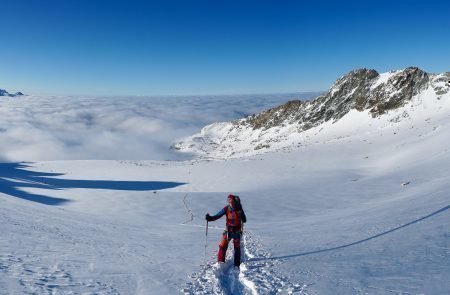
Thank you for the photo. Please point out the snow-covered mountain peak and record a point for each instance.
(383, 96)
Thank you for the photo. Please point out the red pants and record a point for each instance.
(226, 237)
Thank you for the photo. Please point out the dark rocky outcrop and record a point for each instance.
(6, 93)
(361, 89)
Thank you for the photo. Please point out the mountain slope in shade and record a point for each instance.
(361, 96)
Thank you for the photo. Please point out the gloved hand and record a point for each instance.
(208, 217)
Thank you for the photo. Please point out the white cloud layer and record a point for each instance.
(67, 128)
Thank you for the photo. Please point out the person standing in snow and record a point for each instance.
(235, 219)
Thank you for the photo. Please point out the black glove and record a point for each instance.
(208, 217)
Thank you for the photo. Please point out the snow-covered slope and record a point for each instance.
(356, 97)
(355, 212)
(358, 205)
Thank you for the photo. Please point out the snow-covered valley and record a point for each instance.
(358, 206)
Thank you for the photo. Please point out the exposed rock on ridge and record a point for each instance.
(360, 89)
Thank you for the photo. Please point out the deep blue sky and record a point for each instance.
(212, 47)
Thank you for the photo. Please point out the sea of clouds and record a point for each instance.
(35, 128)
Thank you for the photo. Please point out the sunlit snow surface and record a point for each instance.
(359, 207)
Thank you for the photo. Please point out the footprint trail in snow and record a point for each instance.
(254, 277)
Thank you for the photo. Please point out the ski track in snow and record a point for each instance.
(188, 209)
(38, 279)
(254, 277)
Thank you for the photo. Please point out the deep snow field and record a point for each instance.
(358, 207)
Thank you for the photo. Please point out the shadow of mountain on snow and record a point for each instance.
(14, 176)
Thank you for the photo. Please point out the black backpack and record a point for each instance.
(239, 208)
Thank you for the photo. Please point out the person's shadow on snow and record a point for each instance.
(15, 176)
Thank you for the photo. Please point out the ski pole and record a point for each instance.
(243, 239)
(206, 239)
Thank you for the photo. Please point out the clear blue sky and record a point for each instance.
(213, 46)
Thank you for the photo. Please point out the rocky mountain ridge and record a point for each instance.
(6, 93)
(361, 90)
